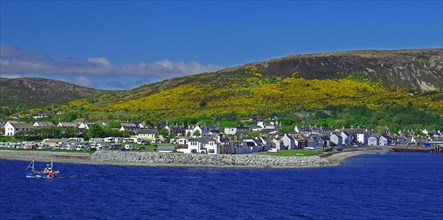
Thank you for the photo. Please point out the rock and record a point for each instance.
(221, 160)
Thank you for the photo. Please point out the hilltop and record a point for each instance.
(415, 70)
(25, 93)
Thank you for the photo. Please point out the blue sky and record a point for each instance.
(121, 45)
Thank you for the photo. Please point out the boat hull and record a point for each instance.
(38, 175)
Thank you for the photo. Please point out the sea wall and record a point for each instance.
(221, 160)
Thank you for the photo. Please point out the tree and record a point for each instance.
(164, 132)
(95, 131)
(114, 124)
(202, 104)
(196, 133)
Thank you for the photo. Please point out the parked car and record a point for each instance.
(130, 147)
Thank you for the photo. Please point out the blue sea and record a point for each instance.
(375, 186)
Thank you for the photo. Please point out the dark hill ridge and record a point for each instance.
(418, 70)
(38, 92)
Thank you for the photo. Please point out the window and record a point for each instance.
(211, 151)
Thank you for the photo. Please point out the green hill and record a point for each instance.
(25, 93)
(371, 78)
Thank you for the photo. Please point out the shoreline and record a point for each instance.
(103, 158)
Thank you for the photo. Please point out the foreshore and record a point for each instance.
(182, 160)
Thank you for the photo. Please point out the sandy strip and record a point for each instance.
(341, 156)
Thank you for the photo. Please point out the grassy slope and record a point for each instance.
(39, 92)
(313, 81)
(256, 94)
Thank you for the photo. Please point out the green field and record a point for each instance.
(292, 153)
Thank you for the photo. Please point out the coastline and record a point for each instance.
(183, 160)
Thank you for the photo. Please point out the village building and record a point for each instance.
(346, 138)
(230, 130)
(196, 131)
(289, 142)
(202, 145)
(336, 139)
(66, 125)
(131, 126)
(278, 145)
(176, 130)
(225, 145)
(12, 127)
(373, 140)
(85, 126)
(146, 134)
(43, 124)
(40, 114)
(385, 140)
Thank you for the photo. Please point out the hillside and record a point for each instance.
(414, 70)
(371, 78)
(26, 93)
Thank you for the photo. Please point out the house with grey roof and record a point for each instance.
(289, 142)
(146, 134)
(385, 140)
(67, 125)
(373, 140)
(43, 124)
(278, 145)
(336, 139)
(203, 145)
(12, 127)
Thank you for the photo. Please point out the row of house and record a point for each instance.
(12, 127)
(207, 139)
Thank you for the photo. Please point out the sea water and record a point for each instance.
(373, 186)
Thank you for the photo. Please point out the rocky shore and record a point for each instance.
(179, 159)
(221, 160)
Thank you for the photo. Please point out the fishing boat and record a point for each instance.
(48, 172)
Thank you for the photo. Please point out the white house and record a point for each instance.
(85, 126)
(373, 140)
(278, 145)
(201, 130)
(202, 145)
(337, 139)
(12, 127)
(384, 140)
(43, 124)
(182, 141)
(230, 130)
(146, 134)
(346, 138)
(289, 142)
(362, 138)
(67, 125)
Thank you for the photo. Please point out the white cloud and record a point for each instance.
(83, 81)
(100, 61)
(14, 60)
(10, 76)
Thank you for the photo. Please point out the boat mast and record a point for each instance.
(31, 165)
